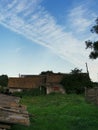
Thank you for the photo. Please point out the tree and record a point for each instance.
(3, 83)
(4, 80)
(76, 71)
(76, 81)
(93, 45)
(46, 72)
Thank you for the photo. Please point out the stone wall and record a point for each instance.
(91, 95)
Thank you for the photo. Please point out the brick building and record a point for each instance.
(50, 81)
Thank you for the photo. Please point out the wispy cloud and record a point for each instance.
(31, 20)
(81, 18)
(17, 50)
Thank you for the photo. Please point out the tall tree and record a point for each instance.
(93, 45)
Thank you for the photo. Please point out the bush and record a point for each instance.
(76, 83)
(3, 80)
(30, 92)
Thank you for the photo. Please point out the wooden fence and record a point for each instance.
(91, 95)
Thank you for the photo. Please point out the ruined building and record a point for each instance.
(48, 80)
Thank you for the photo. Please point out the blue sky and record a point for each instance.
(41, 35)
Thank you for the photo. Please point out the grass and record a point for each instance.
(60, 112)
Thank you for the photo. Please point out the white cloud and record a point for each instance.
(41, 28)
(81, 18)
(35, 23)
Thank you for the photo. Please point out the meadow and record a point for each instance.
(59, 112)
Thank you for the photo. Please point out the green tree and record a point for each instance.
(46, 72)
(3, 83)
(4, 80)
(76, 81)
(93, 45)
(76, 71)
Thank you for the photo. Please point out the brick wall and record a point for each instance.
(55, 78)
(34, 81)
(50, 81)
(25, 83)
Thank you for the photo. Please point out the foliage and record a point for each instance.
(76, 82)
(31, 92)
(76, 71)
(46, 72)
(3, 83)
(93, 45)
(60, 112)
(4, 80)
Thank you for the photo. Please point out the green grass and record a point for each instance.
(60, 112)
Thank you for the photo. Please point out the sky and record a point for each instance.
(41, 35)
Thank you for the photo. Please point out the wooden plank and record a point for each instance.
(17, 111)
(11, 112)
(9, 98)
(9, 101)
(14, 118)
(4, 126)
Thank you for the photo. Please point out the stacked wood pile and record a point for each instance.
(11, 112)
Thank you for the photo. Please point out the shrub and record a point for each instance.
(76, 83)
(30, 92)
